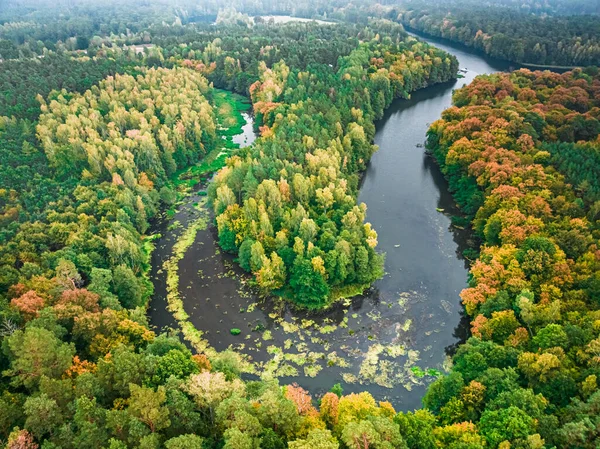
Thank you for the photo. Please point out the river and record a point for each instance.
(405, 324)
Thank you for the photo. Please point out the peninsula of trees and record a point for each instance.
(287, 205)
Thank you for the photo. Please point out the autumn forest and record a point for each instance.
(187, 262)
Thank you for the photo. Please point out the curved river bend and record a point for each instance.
(385, 341)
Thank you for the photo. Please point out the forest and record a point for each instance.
(560, 34)
(287, 206)
(92, 165)
(108, 116)
(509, 147)
(552, 33)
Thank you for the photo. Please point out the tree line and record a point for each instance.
(508, 32)
(557, 32)
(508, 148)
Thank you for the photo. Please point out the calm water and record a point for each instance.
(406, 322)
(410, 207)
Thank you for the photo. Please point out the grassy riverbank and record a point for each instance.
(228, 108)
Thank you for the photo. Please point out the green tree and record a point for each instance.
(43, 416)
(308, 285)
(316, 439)
(245, 255)
(101, 284)
(175, 363)
(184, 416)
(36, 352)
(271, 275)
(510, 424)
(278, 413)
(89, 421)
(127, 287)
(148, 406)
(118, 370)
(416, 429)
(236, 439)
(550, 336)
(440, 391)
(188, 441)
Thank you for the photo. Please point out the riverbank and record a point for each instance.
(235, 129)
(436, 40)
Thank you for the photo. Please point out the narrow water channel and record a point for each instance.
(384, 341)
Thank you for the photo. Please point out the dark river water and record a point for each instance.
(406, 323)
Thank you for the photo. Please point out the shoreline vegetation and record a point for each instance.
(417, 32)
(549, 67)
(228, 107)
(501, 155)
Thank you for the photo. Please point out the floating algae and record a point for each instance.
(349, 378)
(406, 326)
(328, 329)
(375, 352)
(312, 370)
(267, 335)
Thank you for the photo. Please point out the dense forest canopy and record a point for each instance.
(534, 7)
(92, 163)
(555, 32)
(288, 204)
(508, 147)
(104, 104)
(559, 33)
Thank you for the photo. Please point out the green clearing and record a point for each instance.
(228, 108)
